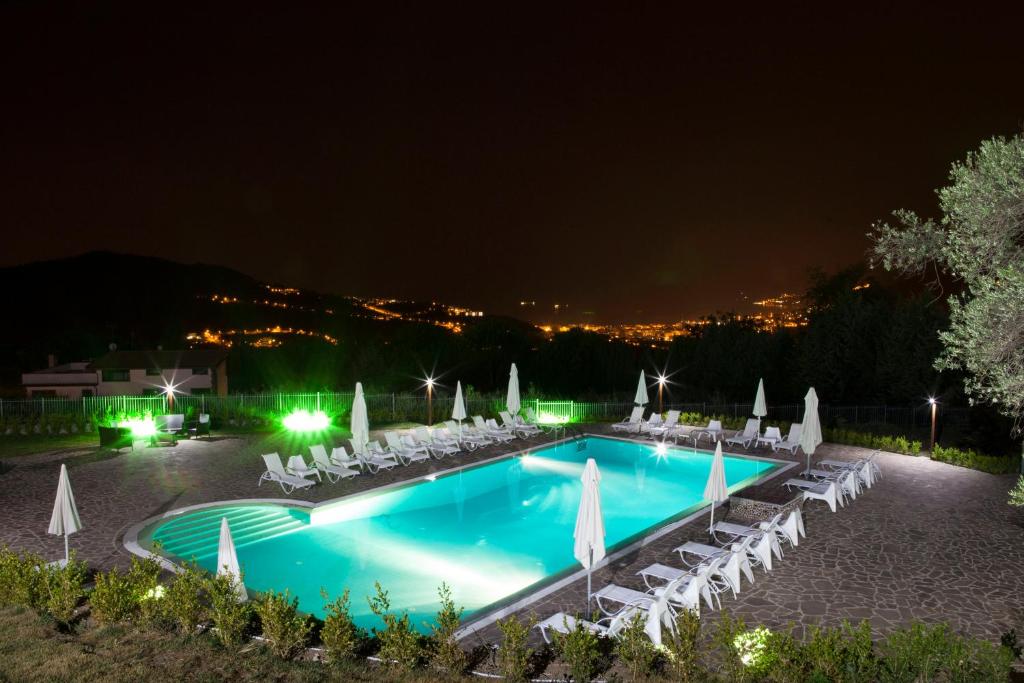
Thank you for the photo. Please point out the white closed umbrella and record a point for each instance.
(360, 423)
(760, 407)
(64, 521)
(810, 434)
(588, 536)
(641, 391)
(716, 489)
(512, 401)
(227, 560)
(459, 409)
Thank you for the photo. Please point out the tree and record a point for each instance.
(979, 243)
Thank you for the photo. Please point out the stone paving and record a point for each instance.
(929, 542)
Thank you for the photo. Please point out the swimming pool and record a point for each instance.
(490, 531)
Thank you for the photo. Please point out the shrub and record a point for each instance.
(514, 655)
(339, 634)
(65, 588)
(579, 650)
(681, 648)
(734, 649)
(842, 654)
(635, 649)
(183, 598)
(915, 653)
(976, 461)
(147, 592)
(230, 615)
(22, 580)
(399, 643)
(446, 652)
(1016, 493)
(113, 600)
(284, 629)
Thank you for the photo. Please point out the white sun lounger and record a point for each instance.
(792, 440)
(772, 436)
(323, 463)
(747, 436)
(275, 472)
(653, 422)
(631, 423)
(818, 490)
(713, 431)
(521, 428)
(737, 561)
(297, 465)
(406, 454)
(339, 456)
(683, 589)
(468, 436)
(848, 479)
(764, 543)
(438, 448)
(668, 426)
(372, 461)
(607, 627)
(495, 434)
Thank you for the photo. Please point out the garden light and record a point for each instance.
(141, 427)
(301, 420)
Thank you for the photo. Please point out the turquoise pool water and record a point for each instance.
(488, 532)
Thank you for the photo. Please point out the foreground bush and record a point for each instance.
(339, 635)
(183, 598)
(399, 643)
(65, 589)
(446, 653)
(23, 580)
(231, 617)
(580, 650)
(284, 629)
(514, 655)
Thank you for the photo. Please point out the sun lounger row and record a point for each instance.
(837, 481)
(402, 448)
(706, 573)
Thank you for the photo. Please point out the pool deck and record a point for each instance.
(929, 542)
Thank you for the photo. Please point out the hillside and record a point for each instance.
(76, 308)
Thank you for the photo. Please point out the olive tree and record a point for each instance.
(978, 242)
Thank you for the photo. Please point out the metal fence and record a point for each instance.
(417, 408)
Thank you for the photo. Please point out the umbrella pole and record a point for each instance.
(67, 555)
(711, 526)
(590, 566)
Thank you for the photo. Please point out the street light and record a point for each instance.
(661, 387)
(430, 400)
(169, 391)
(933, 403)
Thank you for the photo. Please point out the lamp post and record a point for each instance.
(430, 400)
(661, 388)
(933, 403)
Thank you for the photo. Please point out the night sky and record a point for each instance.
(637, 164)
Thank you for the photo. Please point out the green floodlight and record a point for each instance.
(301, 420)
(546, 418)
(142, 427)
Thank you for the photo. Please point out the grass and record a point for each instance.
(32, 649)
(14, 445)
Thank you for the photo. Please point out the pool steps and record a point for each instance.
(198, 534)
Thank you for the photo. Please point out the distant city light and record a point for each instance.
(301, 420)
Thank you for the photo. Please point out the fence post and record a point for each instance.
(394, 409)
(735, 410)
